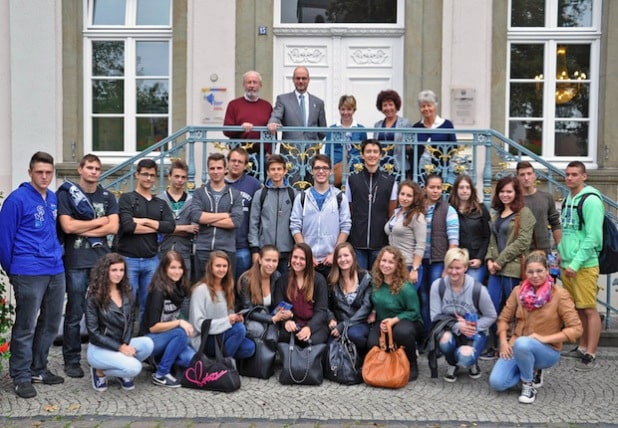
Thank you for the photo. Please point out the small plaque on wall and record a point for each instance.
(463, 106)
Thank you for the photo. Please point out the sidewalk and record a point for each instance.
(568, 398)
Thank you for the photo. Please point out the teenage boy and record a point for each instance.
(32, 257)
(87, 214)
(181, 239)
(142, 217)
(321, 216)
(270, 213)
(238, 158)
(373, 197)
(217, 207)
(542, 206)
(579, 247)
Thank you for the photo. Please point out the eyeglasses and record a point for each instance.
(146, 175)
(535, 272)
(321, 168)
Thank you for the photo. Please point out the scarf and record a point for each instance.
(532, 299)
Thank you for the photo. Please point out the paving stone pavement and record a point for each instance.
(567, 399)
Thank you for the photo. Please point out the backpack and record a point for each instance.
(265, 190)
(476, 292)
(608, 256)
(339, 199)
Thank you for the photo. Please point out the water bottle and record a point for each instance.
(472, 319)
(552, 262)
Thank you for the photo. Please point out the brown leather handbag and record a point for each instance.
(386, 366)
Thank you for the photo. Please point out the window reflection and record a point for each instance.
(108, 58)
(107, 96)
(571, 138)
(575, 13)
(108, 134)
(109, 12)
(528, 134)
(527, 13)
(152, 96)
(152, 58)
(153, 12)
(150, 130)
(339, 11)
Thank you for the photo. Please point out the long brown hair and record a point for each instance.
(99, 285)
(518, 201)
(308, 274)
(335, 272)
(227, 282)
(418, 201)
(254, 277)
(400, 275)
(160, 281)
(471, 205)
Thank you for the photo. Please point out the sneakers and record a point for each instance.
(474, 372)
(25, 390)
(47, 378)
(127, 383)
(73, 370)
(528, 393)
(99, 383)
(451, 374)
(588, 362)
(575, 353)
(167, 380)
(537, 380)
(489, 355)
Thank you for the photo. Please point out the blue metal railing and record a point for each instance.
(484, 154)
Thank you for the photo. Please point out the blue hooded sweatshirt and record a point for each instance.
(28, 237)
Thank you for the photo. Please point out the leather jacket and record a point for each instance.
(245, 299)
(358, 311)
(109, 327)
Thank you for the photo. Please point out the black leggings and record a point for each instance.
(405, 333)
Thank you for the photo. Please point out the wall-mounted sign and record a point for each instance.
(463, 106)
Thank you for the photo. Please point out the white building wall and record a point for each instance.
(5, 100)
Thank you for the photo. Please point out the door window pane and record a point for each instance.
(339, 11)
(571, 138)
(527, 61)
(108, 134)
(152, 96)
(152, 59)
(109, 12)
(527, 13)
(108, 96)
(150, 130)
(575, 13)
(153, 12)
(108, 58)
(526, 100)
(528, 133)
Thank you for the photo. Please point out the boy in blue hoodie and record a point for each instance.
(31, 255)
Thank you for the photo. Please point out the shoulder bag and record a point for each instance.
(218, 374)
(264, 335)
(386, 366)
(301, 365)
(341, 362)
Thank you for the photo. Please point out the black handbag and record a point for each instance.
(212, 374)
(264, 335)
(301, 365)
(341, 362)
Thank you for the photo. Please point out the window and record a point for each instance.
(553, 49)
(339, 12)
(127, 55)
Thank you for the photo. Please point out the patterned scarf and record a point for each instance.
(532, 298)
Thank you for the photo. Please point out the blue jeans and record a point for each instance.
(451, 348)
(358, 335)
(140, 272)
(171, 347)
(366, 258)
(479, 273)
(115, 363)
(243, 262)
(76, 284)
(235, 344)
(499, 288)
(528, 355)
(431, 272)
(38, 311)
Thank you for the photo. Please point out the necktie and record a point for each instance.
(303, 113)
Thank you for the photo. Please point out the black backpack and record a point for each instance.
(608, 256)
(265, 190)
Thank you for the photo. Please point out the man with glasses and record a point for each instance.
(142, 217)
(321, 216)
(247, 186)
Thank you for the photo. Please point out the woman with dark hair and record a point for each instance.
(407, 228)
(213, 298)
(389, 103)
(257, 285)
(109, 318)
(474, 223)
(305, 290)
(539, 316)
(163, 321)
(512, 226)
(395, 303)
(349, 297)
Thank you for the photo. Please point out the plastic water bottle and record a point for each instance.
(472, 319)
(552, 262)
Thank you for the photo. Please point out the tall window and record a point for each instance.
(127, 69)
(553, 77)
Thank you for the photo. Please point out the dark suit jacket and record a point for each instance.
(287, 113)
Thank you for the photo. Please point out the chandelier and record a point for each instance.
(567, 86)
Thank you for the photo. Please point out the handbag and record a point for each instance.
(341, 362)
(212, 374)
(386, 366)
(264, 335)
(301, 365)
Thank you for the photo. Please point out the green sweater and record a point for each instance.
(403, 305)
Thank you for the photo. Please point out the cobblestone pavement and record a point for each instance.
(567, 399)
